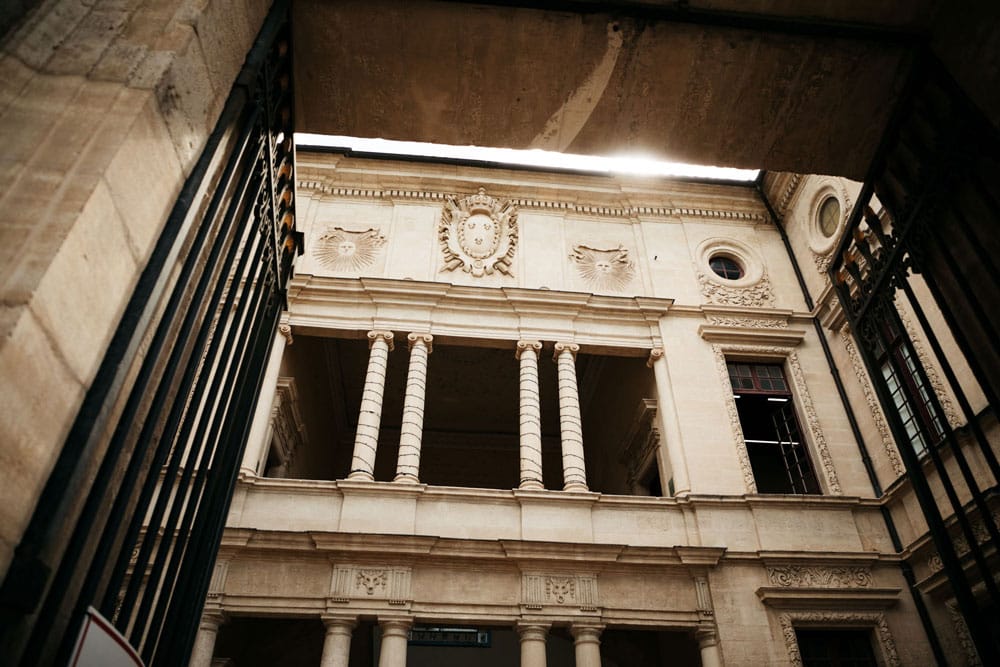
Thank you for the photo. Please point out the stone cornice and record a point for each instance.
(610, 210)
(485, 313)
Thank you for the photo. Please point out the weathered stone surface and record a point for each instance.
(38, 395)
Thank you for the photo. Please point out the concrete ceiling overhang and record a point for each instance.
(787, 94)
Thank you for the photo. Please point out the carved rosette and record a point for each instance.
(348, 250)
(758, 295)
(875, 620)
(478, 234)
(604, 269)
(819, 576)
(804, 400)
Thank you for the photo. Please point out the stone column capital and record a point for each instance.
(523, 345)
(560, 348)
(339, 624)
(375, 335)
(706, 637)
(285, 329)
(532, 630)
(586, 631)
(654, 355)
(424, 339)
(211, 619)
(395, 627)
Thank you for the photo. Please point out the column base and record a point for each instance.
(576, 486)
(406, 478)
(532, 484)
(361, 476)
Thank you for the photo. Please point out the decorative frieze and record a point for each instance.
(348, 250)
(604, 269)
(758, 295)
(560, 590)
(747, 322)
(801, 392)
(604, 211)
(365, 582)
(478, 234)
(875, 620)
(810, 576)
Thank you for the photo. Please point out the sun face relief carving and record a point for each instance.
(609, 269)
(346, 250)
(478, 234)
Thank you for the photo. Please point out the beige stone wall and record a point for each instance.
(104, 108)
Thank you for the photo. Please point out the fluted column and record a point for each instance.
(204, 642)
(337, 644)
(261, 426)
(587, 644)
(412, 429)
(669, 421)
(531, 416)
(366, 440)
(570, 423)
(392, 650)
(708, 644)
(533, 637)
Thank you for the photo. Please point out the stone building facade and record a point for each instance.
(504, 401)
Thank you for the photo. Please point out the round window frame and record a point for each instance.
(819, 242)
(726, 256)
(741, 253)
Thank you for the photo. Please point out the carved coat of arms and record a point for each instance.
(478, 234)
(346, 250)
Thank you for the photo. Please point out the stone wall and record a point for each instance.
(104, 109)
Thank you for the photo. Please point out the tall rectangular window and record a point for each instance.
(910, 395)
(771, 430)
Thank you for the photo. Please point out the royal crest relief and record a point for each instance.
(478, 235)
(346, 250)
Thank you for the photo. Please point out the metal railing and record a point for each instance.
(924, 197)
(131, 518)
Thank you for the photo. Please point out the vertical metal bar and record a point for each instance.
(166, 540)
(921, 488)
(971, 417)
(167, 435)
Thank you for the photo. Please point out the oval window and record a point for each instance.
(829, 216)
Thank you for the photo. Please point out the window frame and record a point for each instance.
(801, 484)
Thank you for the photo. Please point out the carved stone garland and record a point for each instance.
(748, 322)
(348, 250)
(826, 618)
(873, 405)
(758, 295)
(604, 269)
(805, 400)
(478, 235)
(819, 576)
